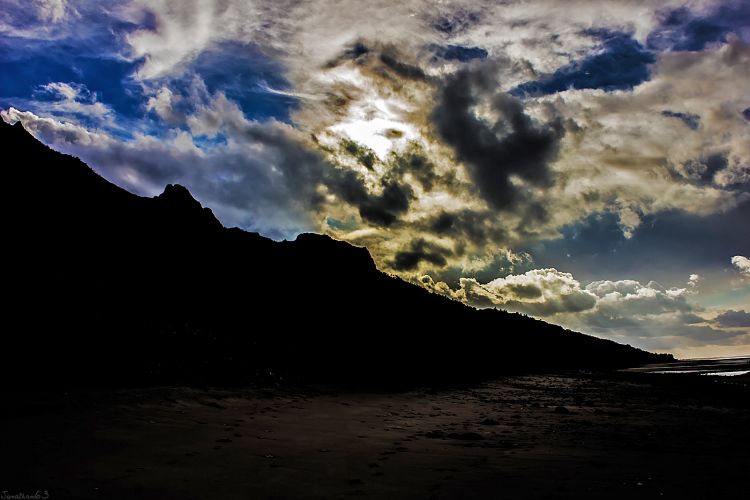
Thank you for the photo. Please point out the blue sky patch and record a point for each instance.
(26, 66)
(662, 247)
(349, 224)
(620, 63)
(684, 30)
(248, 77)
(458, 52)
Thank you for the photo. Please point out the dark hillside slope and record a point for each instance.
(106, 287)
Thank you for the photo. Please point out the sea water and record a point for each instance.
(724, 367)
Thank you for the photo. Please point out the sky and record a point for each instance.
(583, 162)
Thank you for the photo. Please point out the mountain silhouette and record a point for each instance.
(104, 287)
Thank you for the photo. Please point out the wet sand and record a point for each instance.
(556, 436)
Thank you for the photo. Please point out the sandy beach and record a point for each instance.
(535, 436)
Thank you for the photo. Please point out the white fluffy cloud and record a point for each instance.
(650, 316)
(628, 298)
(545, 292)
(540, 292)
(742, 264)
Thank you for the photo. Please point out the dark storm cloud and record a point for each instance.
(493, 152)
(364, 155)
(532, 214)
(379, 209)
(395, 195)
(419, 251)
(467, 224)
(384, 209)
(415, 162)
(405, 70)
(684, 30)
(733, 319)
(621, 63)
(690, 120)
(305, 169)
(383, 58)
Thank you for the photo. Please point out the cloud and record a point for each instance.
(420, 250)
(66, 91)
(618, 156)
(690, 120)
(47, 11)
(742, 264)
(733, 319)
(512, 146)
(683, 28)
(444, 136)
(182, 30)
(540, 292)
(545, 292)
(263, 178)
(627, 298)
(648, 315)
(620, 64)
(51, 10)
(66, 99)
(162, 103)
